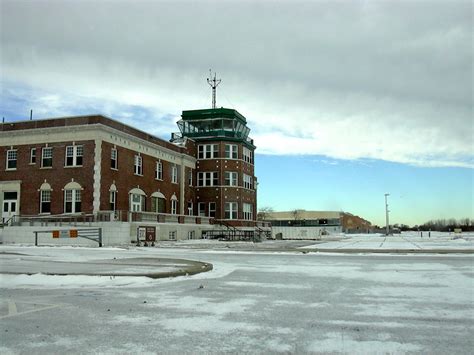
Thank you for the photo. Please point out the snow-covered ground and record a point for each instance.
(404, 241)
(252, 302)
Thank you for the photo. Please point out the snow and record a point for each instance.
(251, 302)
(404, 241)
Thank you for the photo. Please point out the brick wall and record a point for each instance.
(33, 176)
(125, 179)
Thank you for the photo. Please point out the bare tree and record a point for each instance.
(264, 212)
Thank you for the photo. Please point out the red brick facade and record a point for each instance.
(33, 175)
(98, 136)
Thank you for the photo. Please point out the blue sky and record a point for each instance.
(358, 186)
(373, 97)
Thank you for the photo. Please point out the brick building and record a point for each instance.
(97, 167)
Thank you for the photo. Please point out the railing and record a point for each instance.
(243, 223)
(167, 218)
(56, 220)
(127, 216)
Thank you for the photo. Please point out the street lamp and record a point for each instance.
(386, 215)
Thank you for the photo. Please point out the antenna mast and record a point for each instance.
(213, 82)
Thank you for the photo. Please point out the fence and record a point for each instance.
(94, 234)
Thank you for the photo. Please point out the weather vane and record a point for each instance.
(213, 82)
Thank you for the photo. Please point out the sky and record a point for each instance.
(346, 100)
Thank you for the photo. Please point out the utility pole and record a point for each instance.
(387, 226)
(213, 82)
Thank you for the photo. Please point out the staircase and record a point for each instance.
(231, 233)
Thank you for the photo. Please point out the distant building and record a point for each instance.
(302, 224)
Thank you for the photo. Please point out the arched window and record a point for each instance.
(158, 202)
(72, 197)
(113, 197)
(137, 200)
(174, 204)
(45, 197)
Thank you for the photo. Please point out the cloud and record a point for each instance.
(348, 80)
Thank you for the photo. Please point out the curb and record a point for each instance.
(193, 268)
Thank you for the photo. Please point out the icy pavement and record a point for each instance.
(252, 302)
(433, 241)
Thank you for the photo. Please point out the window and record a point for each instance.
(172, 235)
(212, 209)
(11, 159)
(174, 205)
(201, 209)
(45, 201)
(231, 151)
(138, 168)
(208, 151)
(114, 158)
(113, 200)
(33, 156)
(230, 210)
(248, 155)
(191, 234)
(74, 155)
(208, 178)
(159, 170)
(248, 211)
(72, 200)
(230, 178)
(47, 157)
(190, 177)
(158, 202)
(137, 202)
(174, 174)
(190, 208)
(248, 181)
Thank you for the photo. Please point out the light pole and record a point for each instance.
(386, 215)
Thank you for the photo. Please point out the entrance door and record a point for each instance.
(10, 206)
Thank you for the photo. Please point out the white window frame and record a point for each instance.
(75, 197)
(247, 155)
(12, 156)
(247, 210)
(32, 155)
(208, 151)
(190, 177)
(231, 151)
(114, 159)
(174, 205)
(231, 210)
(174, 174)
(172, 235)
(231, 178)
(201, 209)
(45, 197)
(159, 170)
(113, 200)
(208, 178)
(248, 182)
(137, 205)
(212, 210)
(138, 165)
(190, 208)
(46, 154)
(76, 153)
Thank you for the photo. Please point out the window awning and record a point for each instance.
(137, 191)
(158, 194)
